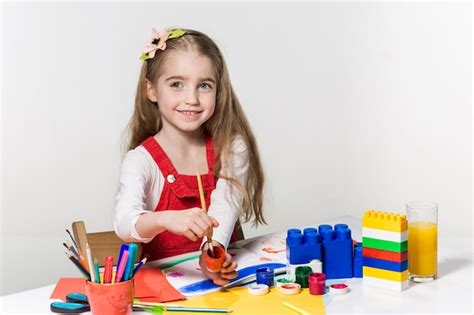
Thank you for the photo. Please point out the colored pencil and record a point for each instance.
(79, 266)
(139, 266)
(96, 270)
(296, 309)
(204, 207)
(121, 267)
(197, 309)
(89, 262)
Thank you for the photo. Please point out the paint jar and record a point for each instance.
(110, 298)
(302, 273)
(317, 283)
(214, 264)
(422, 240)
(265, 275)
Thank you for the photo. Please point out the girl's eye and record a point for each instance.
(205, 86)
(176, 85)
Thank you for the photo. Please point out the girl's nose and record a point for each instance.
(192, 98)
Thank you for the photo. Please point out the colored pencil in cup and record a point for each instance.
(204, 207)
(96, 270)
(89, 262)
(139, 266)
(84, 272)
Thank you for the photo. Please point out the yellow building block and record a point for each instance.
(385, 274)
(388, 221)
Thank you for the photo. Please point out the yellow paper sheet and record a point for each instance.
(240, 302)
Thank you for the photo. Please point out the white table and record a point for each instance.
(450, 293)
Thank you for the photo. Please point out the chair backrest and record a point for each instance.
(102, 244)
(239, 233)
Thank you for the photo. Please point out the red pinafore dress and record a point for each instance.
(179, 192)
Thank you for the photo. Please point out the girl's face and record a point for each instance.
(185, 90)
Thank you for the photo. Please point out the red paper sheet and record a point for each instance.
(150, 285)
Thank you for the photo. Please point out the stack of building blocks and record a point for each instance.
(337, 251)
(303, 249)
(384, 250)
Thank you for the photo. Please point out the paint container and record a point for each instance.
(317, 283)
(258, 289)
(290, 288)
(214, 264)
(302, 274)
(265, 275)
(110, 298)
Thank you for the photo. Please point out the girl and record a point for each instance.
(187, 118)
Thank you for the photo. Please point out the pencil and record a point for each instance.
(89, 262)
(79, 266)
(204, 207)
(139, 266)
(296, 309)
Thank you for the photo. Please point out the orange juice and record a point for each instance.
(422, 248)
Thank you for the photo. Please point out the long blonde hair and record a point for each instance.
(226, 124)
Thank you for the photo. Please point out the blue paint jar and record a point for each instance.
(265, 275)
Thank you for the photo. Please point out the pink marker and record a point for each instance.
(121, 267)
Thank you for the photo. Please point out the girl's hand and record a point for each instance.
(192, 223)
(227, 272)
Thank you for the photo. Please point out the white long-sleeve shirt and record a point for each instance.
(141, 184)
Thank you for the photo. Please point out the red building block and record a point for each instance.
(384, 254)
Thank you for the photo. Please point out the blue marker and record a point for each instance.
(132, 255)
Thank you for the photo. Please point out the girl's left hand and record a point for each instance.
(227, 272)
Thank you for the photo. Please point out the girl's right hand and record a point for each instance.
(192, 223)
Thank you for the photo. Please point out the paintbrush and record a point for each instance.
(204, 207)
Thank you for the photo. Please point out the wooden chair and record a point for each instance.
(102, 244)
(238, 231)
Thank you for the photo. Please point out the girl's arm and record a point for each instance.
(140, 180)
(136, 177)
(226, 201)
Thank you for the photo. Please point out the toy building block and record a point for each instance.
(385, 264)
(302, 248)
(358, 260)
(385, 274)
(384, 254)
(387, 221)
(384, 245)
(385, 235)
(315, 264)
(385, 284)
(337, 251)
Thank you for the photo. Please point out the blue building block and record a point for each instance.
(386, 264)
(301, 248)
(358, 261)
(337, 251)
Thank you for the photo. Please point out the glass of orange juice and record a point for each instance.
(422, 240)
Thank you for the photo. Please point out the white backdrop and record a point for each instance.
(355, 106)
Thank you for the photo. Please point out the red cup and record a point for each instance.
(317, 283)
(110, 298)
(214, 264)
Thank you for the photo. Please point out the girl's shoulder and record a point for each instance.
(138, 159)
